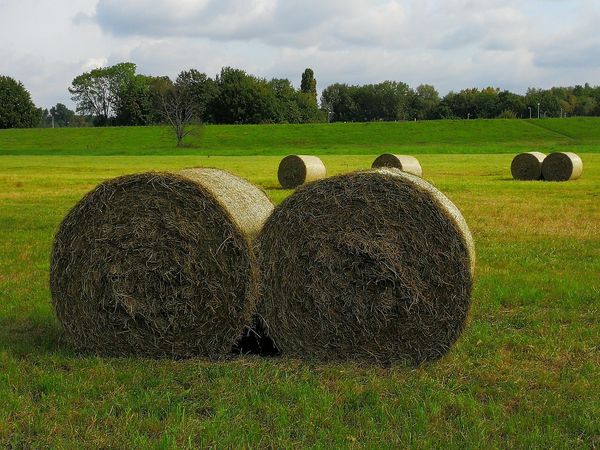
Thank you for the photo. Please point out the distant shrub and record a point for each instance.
(507, 114)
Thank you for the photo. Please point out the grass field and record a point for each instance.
(445, 136)
(525, 373)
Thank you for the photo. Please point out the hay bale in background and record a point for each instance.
(527, 166)
(159, 264)
(405, 163)
(296, 170)
(562, 166)
(374, 265)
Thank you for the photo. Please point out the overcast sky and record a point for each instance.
(452, 44)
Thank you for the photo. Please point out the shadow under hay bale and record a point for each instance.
(527, 166)
(159, 264)
(562, 166)
(405, 163)
(374, 265)
(255, 341)
(296, 170)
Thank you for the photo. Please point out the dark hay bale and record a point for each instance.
(296, 170)
(562, 166)
(405, 163)
(527, 166)
(374, 265)
(159, 264)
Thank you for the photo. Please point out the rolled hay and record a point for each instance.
(562, 166)
(375, 265)
(405, 163)
(527, 166)
(296, 170)
(159, 264)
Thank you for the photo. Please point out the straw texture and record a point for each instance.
(405, 163)
(374, 265)
(159, 264)
(296, 170)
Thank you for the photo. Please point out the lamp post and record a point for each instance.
(538, 110)
(529, 108)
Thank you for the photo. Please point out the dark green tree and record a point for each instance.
(202, 88)
(308, 85)
(16, 107)
(62, 115)
(97, 93)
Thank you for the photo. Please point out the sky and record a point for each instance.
(452, 44)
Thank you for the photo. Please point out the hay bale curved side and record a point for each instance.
(405, 163)
(527, 166)
(562, 166)
(159, 264)
(296, 170)
(374, 265)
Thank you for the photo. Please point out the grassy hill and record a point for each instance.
(447, 136)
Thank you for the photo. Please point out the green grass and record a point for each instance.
(523, 375)
(445, 136)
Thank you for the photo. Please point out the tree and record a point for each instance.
(202, 89)
(308, 85)
(424, 102)
(178, 107)
(63, 116)
(243, 98)
(97, 93)
(16, 107)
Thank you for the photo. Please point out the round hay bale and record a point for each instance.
(405, 163)
(159, 264)
(296, 170)
(527, 166)
(374, 265)
(562, 166)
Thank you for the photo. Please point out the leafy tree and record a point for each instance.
(16, 107)
(308, 85)
(97, 93)
(424, 102)
(63, 116)
(243, 98)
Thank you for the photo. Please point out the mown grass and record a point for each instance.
(524, 374)
(445, 136)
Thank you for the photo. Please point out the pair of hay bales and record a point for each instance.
(373, 265)
(296, 170)
(558, 166)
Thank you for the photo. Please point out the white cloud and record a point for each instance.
(449, 43)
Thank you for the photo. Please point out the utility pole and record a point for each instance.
(529, 107)
(538, 110)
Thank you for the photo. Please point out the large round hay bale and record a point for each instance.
(159, 264)
(405, 163)
(374, 265)
(562, 166)
(296, 170)
(527, 166)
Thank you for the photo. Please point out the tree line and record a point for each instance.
(118, 95)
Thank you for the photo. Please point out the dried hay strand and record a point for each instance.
(405, 163)
(296, 170)
(159, 264)
(562, 166)
(375, 265)
(527, 166)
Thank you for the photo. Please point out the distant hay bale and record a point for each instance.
(296, 170)
(405, 163)
(527, 166)
(375, 265)
(159, 264)
(562, 166)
